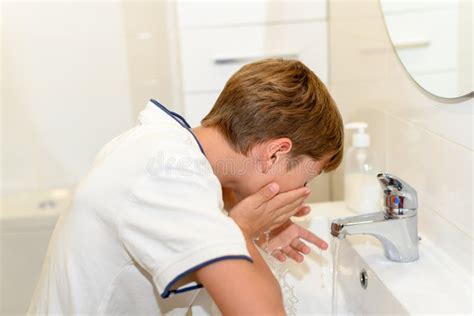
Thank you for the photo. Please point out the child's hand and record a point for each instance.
(286, 241)
(229, 198)
(267, 210)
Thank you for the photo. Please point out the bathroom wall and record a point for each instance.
(74, 75)
(151, 37)
(424, 140)
(216, 38)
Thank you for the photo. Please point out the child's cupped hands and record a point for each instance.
(267, 213)
(288, 241)
(267, 209)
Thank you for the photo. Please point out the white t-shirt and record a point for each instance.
(148, 213)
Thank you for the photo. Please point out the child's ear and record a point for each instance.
(274, 151)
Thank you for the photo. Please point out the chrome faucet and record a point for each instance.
(396, 226)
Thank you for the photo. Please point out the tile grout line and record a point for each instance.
(412, 124)
(432, 209)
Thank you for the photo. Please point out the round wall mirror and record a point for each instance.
(433, 40)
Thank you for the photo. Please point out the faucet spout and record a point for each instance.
(354, 224)
(399, 236)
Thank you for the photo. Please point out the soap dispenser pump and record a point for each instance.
(361, 189)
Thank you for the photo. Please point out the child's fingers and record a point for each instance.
(288, 201)
(265, 194)
(284, 214)
(300, 246)
(312, 238)
(303, 211)
(277, 253)
(293, 254)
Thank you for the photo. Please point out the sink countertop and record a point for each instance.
(434, 283)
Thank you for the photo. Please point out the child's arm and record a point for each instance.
(239, 287)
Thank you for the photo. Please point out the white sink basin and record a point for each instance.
(431, 285)
(312, 279)
(361, 290)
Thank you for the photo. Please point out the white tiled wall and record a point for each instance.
(74, 75)
(152, 51)
(65, 90)
(422, 139)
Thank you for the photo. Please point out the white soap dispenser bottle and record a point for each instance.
(362, 191)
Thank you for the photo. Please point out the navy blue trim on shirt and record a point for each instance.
(178, 118)
(167, 292)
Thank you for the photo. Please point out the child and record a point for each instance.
(147, 226)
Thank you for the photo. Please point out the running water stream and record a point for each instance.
(280, 271)
(335, 246)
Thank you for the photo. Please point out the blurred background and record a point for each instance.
(76, 73)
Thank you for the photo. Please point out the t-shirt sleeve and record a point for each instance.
(172, 223)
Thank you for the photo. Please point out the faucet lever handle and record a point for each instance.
(400, 199)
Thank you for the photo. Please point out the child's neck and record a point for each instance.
(225, 162)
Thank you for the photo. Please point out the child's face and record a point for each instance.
(288, 179)
(299, 175)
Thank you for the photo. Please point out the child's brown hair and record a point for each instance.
(275, 98)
